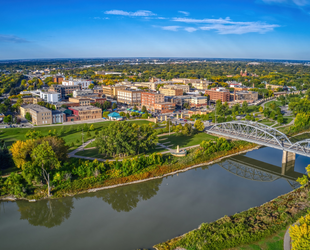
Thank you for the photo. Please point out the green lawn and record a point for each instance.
(274, 242)
(266, 122)
(186, 141)
(91, 153)
(278, 103)
(10, 135)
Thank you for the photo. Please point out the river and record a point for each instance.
(141, 215)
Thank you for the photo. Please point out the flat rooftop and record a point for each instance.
(84, 108)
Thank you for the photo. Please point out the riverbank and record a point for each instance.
(246, 227)
(183, 164)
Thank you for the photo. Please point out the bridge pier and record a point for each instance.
(288, 161)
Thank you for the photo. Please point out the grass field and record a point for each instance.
(274, 242)
(266, 122)
(186, 141)
(10, 135)
(181, 140)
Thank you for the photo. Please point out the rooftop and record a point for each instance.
(83, 108)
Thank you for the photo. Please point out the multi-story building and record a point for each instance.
(58, 116)
(82, 92)
(111, 91)
(200, 84)
(218, 94)
(171, 92)
(58, 79)
(98, 90)
(50, 96)
(96, 99)
(198, 101)
(82, 101)
(40, 115)
(248, 96)
(148, 99)
(185, 88)
(130, 97)
(77, 82)
(86, 112)
(164, 107)
(63, 90)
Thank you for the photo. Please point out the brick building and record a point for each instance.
(148, 99)
(164, 107)
(86, 112)
(58, 79)
(218, 94)
(82, 101)
(170, 92)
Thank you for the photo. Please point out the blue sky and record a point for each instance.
(265, 29)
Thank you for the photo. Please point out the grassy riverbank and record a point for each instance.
(83, 177)
(247, 227)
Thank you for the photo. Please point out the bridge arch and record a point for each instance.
(303, 145)
(252, 131)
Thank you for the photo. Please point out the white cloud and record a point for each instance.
(289, 2)
(142, 13)
(227, 26)
(12, 39)
(101, 18)
(171, 28)
(184, 12)
(190, 29)
(241, 29)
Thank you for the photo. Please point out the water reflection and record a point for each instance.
(47, 213)
(255, 170)
(126, 198)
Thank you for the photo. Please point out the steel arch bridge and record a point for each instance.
(260, 134)
(253, 174)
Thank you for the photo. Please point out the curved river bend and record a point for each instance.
(141, 215)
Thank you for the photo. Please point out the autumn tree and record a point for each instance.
(44, 157)
(199, 125)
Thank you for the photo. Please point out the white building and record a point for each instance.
(50, 97)
(75, 82)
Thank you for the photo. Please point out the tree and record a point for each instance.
(245, 107)
(3, 108)
(105, 114)
(127, 115)
(280, 119)
(91, 86)
(91, 128)
(44, 157)
(187, 129)
(106, 105)
(135, 107)
(32, 134)
(85, 127)
(114, 106)
(199, 125)
(126, 138)
(261, 109)
(7, 119)
(273, 115)
(186, 105)
(28, 116)
(144, 110)
(122, 114)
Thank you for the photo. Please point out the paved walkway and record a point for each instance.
(80, 148)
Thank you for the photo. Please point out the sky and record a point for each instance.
(262, 29)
